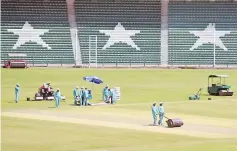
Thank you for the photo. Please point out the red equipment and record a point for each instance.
(15, 64)
(45, 93)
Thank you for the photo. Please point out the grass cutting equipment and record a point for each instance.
(196, 96)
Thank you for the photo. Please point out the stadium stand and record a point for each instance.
(39, 29)
(127, 31)
(189, 20)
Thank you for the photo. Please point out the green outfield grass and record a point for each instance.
(139, 88)
(21, 134)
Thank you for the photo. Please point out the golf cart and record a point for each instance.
(218, 88)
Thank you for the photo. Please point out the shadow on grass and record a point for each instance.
(205, 95)
(148, 125)
(12, 102)
(74, 105)
(155, 125)
(51, 107)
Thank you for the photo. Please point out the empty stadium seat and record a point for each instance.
(49, 21)
(141, 21)
(187, 18)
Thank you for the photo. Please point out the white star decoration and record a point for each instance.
(207, 36)
(28, 34)
(119, 34)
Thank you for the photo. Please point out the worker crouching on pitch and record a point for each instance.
(106, 93)
(17, 92)
(154, 113)
(161, 113)
(57, 97)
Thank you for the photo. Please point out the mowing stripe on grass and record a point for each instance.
(177, 131)
(175, 102)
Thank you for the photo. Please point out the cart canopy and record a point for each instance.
(218, 76)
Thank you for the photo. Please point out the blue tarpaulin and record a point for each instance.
(93, 79)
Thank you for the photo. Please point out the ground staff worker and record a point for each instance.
(161, 113)
(154, 113)
(17, 92)
(57, 97)
(75, 95)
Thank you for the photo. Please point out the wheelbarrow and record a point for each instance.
(175, 122)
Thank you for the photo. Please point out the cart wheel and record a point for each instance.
(219, 93)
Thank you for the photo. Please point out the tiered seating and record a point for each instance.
(197, 16)
(51, 16)
(144, 16)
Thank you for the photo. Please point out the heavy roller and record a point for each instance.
(174, 122)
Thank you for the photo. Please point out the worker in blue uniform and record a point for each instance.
(75, 95)
(106, 93)
(112, 96)
(17, 92)
(89, 94)
(161, 113)
(154, 113)
(86, 96)
(57, 97)
(81, 96)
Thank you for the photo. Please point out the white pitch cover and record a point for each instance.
(117, 92)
